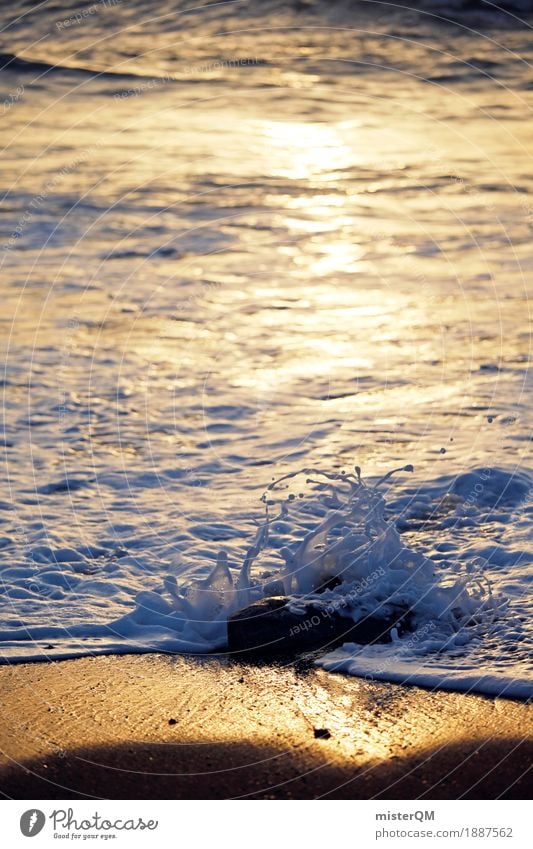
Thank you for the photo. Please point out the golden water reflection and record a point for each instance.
(303, 149)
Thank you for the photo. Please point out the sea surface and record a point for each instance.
(243, 239)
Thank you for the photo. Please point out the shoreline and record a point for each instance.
(163, 726)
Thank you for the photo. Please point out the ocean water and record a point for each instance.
(246, 240)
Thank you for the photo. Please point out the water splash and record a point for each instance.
(334, 541)
(333, 536)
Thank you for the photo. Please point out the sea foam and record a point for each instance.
(330, 536)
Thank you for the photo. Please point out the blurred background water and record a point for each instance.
(242, 238)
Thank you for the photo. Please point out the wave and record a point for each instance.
(205, 22)
(332, 539)
(10, 62)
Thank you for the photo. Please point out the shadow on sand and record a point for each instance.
(222, 770)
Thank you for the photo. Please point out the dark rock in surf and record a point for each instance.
(270, 625)
(321, 733)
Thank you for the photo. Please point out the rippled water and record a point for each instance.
(244, 240)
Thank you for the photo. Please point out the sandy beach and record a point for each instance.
(265, 274)
(175, 727)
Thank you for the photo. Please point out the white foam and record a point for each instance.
(319, 526)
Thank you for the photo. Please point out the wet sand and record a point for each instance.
(175, 727)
